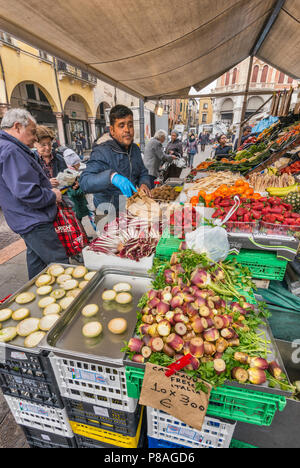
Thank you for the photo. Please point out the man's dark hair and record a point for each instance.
(219, 137)
(247, 127)
(119, 112)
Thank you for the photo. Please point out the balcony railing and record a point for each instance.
(75, 72)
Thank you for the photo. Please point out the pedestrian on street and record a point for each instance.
(154, 155)
(27, 197)
(52, 163)
(202, 140)
(83, 141)
(174, 148)
(191, 149)
(115, 167)
(79, 149)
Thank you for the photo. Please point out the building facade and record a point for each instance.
(205, 111)
(228, 109)
(68, 99)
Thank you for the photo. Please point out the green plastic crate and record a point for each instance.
(262, 264)
(239, 404)
(166, 246)
(238, 444)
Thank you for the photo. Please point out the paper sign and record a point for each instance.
(175, 395)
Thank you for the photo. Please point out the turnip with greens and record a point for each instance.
(156, 344)
(209, 348)
(149, 319)
(162, 308)
(194, 364)
(175, 342)
(233, 342)
(243, 358)
(275, 370)
(197, 325)
(228, 333)
(168, 350)
(211, 334)
(239, 374)
(258, 362)
(152, 331)
(256, 376)
(135, 345)
(219, 366)
(196, 347)
(146, 352)
(180, 328)
(144, 328)
(139, 358)
(204, 311)
(164, 328)
(221, 345)
(200, 278)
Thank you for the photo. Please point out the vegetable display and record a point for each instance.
(192, 310)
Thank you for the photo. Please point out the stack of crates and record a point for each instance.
(30, 390)
(262, 265)
(165, 431)
(99, 410)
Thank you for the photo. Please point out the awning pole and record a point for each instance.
(245, 99)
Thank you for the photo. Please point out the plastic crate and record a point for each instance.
(99, 384)
(108, 437)
(44, 418)
(238, 444)
(105, 418)
(42, 439)
(166, 247)
(214, 433)
(160, 443)
(87, 442)
(264, 265)
(29, 375)
(239, 404)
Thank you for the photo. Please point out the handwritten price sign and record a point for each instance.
(176, 395)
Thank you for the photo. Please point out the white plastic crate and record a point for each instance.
(44, 418)
(96, 260)
(215, 433)
(92, 383)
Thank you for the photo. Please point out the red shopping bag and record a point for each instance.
(69, 230)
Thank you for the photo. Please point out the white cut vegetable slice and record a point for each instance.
(44, 290)
(43, 280)
(20, 314)
(7, 334)
(27, 326)
(79, 272)
(25, 297)
(124, 298)
(69, 270)
(65, 302)
(89, 275)
(63, 278)
(83, 284)
(92, 329)
(56, 270)
(109, 295)
(46, 301)
(52, 309)
(52, 280)
(33, 339)
(58, 293)
(71, 284)
(117, 326)
(48, 321)
(73, 292)
(90, 310)
(5, 314)
(122, 287)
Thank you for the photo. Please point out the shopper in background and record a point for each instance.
(191, 149)
(203, 140)
(116, 167)
(223, 149)
(174, 148)
(79, 149)
(27, 197)
(51, 162)
(245, 135)
(154, 155)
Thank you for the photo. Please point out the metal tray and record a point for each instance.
(66, 339)
(35, 311)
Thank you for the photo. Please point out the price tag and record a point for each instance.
(177, 395)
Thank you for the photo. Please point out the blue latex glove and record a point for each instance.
(123, 184)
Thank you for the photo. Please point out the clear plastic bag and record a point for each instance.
(210, 240)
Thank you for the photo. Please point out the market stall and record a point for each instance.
(76, 343)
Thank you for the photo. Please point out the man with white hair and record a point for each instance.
(154, 155)
(27, 198)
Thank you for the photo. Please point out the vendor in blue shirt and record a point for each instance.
(115, 167)
(223, 150)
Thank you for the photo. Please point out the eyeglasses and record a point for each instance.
(45, 145)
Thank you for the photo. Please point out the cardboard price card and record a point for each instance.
(177, 395)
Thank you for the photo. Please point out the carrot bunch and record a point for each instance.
(241, 188)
